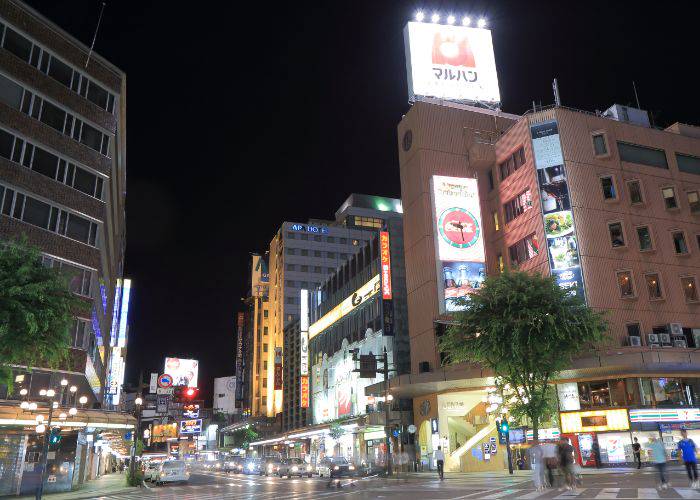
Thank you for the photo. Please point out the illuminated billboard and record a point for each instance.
(260, 278)
(386, 264)
(304, 391)
(304, 334)
(183, 371)
(450, 62)
(459, 238)
(364, 293)
(192, 426)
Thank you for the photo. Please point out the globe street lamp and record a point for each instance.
(132, 464)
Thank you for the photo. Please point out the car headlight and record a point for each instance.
(352, 467)
(295, 468)
(269, 467)
(218, 465)
(336, 468)
(309, 468)
(251, 467)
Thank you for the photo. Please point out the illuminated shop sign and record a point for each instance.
(304, 336)
(386, 264)
(192, 426)
(364, 293)
(124, 313)
(549, 434)
(304, 391)
(666, 415)
(309, 229)
(450, 62)
(594, 421)
(459, 239)
(190, 411)
(183, 371)
(562, 244)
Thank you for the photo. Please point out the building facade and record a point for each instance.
(63, 187)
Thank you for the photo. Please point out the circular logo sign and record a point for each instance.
(412, 429)
(458, 227)
(165, 381)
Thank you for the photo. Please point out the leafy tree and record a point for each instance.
(526, 329)
(241, 438)
(36, 310)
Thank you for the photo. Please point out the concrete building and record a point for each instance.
(63, 185)
(605, 203)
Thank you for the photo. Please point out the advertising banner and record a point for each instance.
(386, 264)
(304, 391)
(261, 276)
(562, 247)
(183, 371)
(153, 383)
(278, 368)
(192, 426)
(459, 239)
(240, 323)
(450, 62)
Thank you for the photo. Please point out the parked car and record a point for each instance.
(172, 471)
(234, 464)
(335, 467)
(150, 471)
(271, 465)
(295, 467)
(252, 466)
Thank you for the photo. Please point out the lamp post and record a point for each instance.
(132, 465)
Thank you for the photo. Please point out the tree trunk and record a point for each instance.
(535, 427)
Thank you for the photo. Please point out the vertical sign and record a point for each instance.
(278, 368)
(304, 338)
(386, 264)
(459, 239)
(562, 247)
(154, 383)
(240, 322)
(304, 390)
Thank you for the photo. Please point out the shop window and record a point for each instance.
(600, 393)
(634, 187)
(607, 183)
(646, 392)
(669, 195)
(690, 289)
(618, 395)
(632, 391)
(644, 238)
(625, 284)
(679, 244)
(653, 283)
(694, 201)
(617, 236)
(668, 391)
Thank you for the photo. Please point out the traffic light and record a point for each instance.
(55, 436)
(190, 393)
(504, 426)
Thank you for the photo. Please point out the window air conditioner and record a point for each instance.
(680, 343)
(635, 341)
(675, 329)
(652, 338)
(665, 339)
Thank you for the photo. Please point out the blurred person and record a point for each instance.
(687, 450)
(637, 452)
(658, 456)
(537, 463)
(549, 454)
(566, 461)
(439, 456)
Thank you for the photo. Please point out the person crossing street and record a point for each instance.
(440, 461)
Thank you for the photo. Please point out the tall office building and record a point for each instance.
(63, 174)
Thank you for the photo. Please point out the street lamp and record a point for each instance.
(132, 463)
(83, 400)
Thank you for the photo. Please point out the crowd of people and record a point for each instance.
(553, 465)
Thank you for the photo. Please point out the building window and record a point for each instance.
(304, 237)
(264, 347)
(642, 155)
(617, 237)
(634, 330)
(290, 251)
(317, 238)
(317, 269)
(694, 202)
(690, 289)
(688, 164)
(289, 283)
(367, 222)
(304, 269)
(264, 327)
(624, 283)
(264, 400)
(330, 255)
(290, 267)
(524, 250)
(512, 163)
(304, 252)
(608, 185)
(600, 148)
(644, 237)
(501, 264)
(679, 244)
(653, 286)
(669, 194)
(517, 206)
(266, 313)
(264, 383)
(635, 190)
(495, 221)
(343, 241)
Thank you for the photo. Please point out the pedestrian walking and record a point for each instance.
(687, 455)
(439, 457)
(637, 452)
(657, 451)
(537, 463)
(549, 452)
(595, 447)
(566, 460)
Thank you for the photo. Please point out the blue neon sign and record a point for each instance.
(310, 229)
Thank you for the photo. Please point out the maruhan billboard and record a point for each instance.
(450, 62)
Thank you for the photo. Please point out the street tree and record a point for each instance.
(526, 329)
(36, 310)
(241, 438)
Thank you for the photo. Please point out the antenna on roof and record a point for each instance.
(555, 88)
(636, 97)
(94, 38)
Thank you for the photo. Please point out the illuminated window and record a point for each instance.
(624, 283)
(495, 221)
(669, 194)
(679, 244)
(690, 289)
(635, 189)
(368, 222)
(653, 286)
(608, 185)
(617, 237)
(694, 201)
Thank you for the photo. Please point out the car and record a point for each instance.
(234, 464)
(271, 465)
(150, 471)
(252, 466)
(295, 467)
(213, 465)
(172, 471)
(335, 467)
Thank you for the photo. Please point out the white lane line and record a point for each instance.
(687, 492)
(534, 494)
(501, 494)
(649, 493)
(572, 494)
(608, 493)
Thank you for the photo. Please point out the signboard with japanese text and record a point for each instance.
(191, 426)
(304, 334)
(385, 256)
(454, 63)
(304, 391)
(459, 239)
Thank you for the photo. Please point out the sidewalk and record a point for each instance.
(108, 484)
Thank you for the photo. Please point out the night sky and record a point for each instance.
(243, 116)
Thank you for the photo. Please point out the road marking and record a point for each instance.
(608, 493)
(687, 492)
(501, 494)
(534, 494)
(573, 493)
(648, 493)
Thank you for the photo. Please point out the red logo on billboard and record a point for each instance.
(386, 264)
(458, 227)
(452, 50)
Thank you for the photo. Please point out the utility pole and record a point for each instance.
(45, 454)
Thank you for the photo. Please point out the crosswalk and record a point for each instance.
(591, 493)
